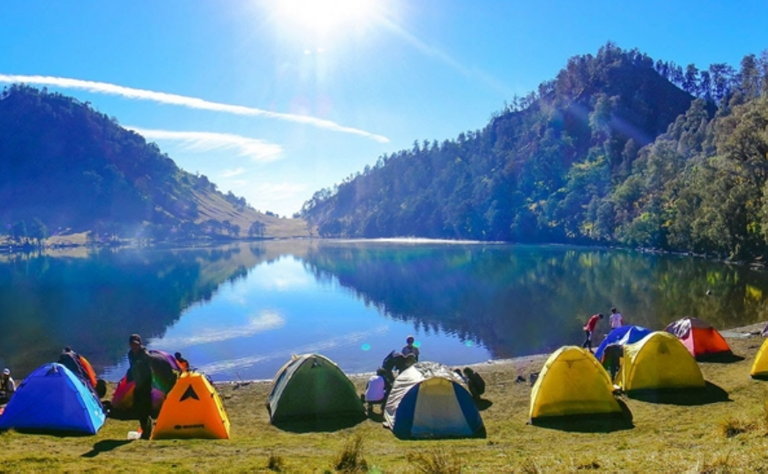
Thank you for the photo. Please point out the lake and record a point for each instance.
(238, 312)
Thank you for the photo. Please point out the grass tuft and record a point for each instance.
(351, 458)
(529, 467)
(735, 426)
(436, 461)
(718, 466)
(275, 463)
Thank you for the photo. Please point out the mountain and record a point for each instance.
(67, 168)
(615, 150)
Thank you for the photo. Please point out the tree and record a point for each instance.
(257, 229)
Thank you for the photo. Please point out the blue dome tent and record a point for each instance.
(53, 399)
(622, 335)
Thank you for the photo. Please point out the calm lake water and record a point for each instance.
(240, 311)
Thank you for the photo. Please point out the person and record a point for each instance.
(409, 348)
(589, 328)
(612, 355)
(7, 386)
(616, 320)
(377, 389)
(475, 383)
(80, 366)
(141, 371)
(183, 363)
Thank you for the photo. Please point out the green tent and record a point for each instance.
(311, 386)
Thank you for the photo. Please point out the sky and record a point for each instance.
(275, 100)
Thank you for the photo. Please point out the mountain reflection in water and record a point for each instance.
(240, 311)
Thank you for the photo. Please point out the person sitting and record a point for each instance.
(7, 386)
(410, 348)
(475, 383)
(183, 363)
(377, 389)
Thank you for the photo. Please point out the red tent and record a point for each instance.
(701, 339)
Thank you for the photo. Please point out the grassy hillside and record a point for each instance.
(66, 168)
(722, 436)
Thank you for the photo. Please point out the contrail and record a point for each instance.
(184, 101)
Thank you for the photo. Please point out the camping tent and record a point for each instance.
(164, 372)
(192, 409)
(621, 335)
(312, 386)
(659, 361)
(760, 365)
(428, 400)
(572, 382)
(53, 399)
(701, 339)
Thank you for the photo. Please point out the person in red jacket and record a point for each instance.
(589, 329)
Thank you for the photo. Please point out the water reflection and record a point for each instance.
(240, 311)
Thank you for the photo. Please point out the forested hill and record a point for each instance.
(616, 149)
(66, 168)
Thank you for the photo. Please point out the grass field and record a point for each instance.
(729, 435)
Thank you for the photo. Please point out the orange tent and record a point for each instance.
(700, 338)
(193, 409)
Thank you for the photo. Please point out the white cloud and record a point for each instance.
(184, 101)
(232, 173)
(277, 191)
(257, 150)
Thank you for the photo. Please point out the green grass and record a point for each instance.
(718, 437)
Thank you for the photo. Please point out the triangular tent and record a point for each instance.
(621, 335)
(53, 399)
(699, 337)
(760, 365)
(192, 409)
(311, 386)
(659, 361)
(572, 382)
(428, 400)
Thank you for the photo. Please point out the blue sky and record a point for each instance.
(277, 99)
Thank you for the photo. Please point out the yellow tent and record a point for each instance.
(659, 361)
(192, 409)
(572, 382)
(760, 365)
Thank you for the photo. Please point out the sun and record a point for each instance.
(325, 18)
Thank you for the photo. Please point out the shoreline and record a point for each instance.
(522, 364)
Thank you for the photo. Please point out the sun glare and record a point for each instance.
(324, 18)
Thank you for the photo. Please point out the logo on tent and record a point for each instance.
(190, 393)
(188, 427)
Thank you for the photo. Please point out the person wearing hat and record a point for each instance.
(141, 370)
(7, 386)
(409, 349)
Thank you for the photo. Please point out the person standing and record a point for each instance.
(589, 329)
(7, 386)
(141, 371)
(616, 320)
(409, 348)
